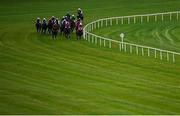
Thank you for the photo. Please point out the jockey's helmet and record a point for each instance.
(79, 9)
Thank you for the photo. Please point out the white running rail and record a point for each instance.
(129, 47)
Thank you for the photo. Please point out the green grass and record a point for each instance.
(39, 75)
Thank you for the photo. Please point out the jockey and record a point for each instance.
(62, 24)
(57, 21)
(79, 11)
(44, 26)
(80, 14)
(53, 19)
(38, 25)
(73, 18)
(62, 20)
(38, 20)
(73, 24)
(68, 16)
(77, 23)
(44, 20)
(67, 24)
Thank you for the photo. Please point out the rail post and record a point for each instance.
(162, 17)
(141, 19)
(110, 44)
(95, 40)
(100, 41)
(106, 23)
(88, 37)
(177, 16)
(134, 20)
(161, 55)
(117, 21)
(92, 26)
(125, 47)
(122, 39)
(92, 39)
(148, 52)
(120, 46)
(142, 51)
(122, 20)
(95, 25)
(98, 24)
(170, 16)
(148, 18)
(174, 58)
(131, 49)
(104, 43)
(101, 23)
(155, 18)
(155, 54)
(167, 56)
(111, 22)
(128, 20)
(137, 50)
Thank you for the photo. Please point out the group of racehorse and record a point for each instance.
(65, 26)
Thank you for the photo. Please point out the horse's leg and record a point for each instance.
(48, 31)
(45, 31)
(69, 32)
(37, 29)
(66, 34)
(42, 30)
(52, 35)
(56, 34)
(76, 35)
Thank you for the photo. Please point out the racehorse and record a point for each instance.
(79, 31)
(73, 25)
(44, 26)
(38, 25)
(55, 29)
(67, 29)
(62, 25)
(50, 25)
(72, 22)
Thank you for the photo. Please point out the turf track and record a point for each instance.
(42, 76)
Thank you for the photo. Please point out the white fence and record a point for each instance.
(129, 47)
